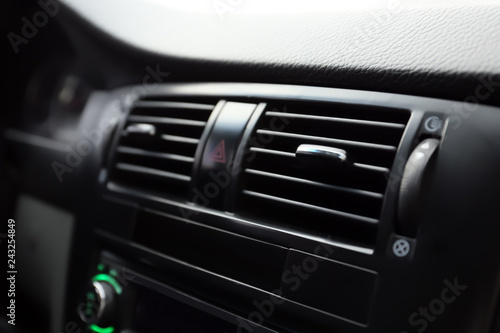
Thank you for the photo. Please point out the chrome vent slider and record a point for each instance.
(306, 151)
(140, 128)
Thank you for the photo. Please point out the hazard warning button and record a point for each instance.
(215, 173)
(219, 153)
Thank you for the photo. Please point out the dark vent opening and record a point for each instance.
(176, 110)
(342, 110)
(321, 198)
(304, 220)
(340, 130)
(190, 99)
(160, 162)
(357, 178)
(315, 193)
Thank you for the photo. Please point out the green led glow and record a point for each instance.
(90, 296)
(98, 329)
(113, 272)
(100, 267)
(111, 280)
(88, 311)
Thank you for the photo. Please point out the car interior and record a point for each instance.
(241, 166)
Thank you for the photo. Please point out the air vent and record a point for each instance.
(157, 146)
(334, 184)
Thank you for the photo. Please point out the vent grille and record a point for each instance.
(321, 197)
(157, 146)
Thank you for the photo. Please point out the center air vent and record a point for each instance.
(157, 146)
(334, 184)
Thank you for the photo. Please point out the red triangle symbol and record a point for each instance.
(219, 153)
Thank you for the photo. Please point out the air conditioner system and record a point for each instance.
(228, 180)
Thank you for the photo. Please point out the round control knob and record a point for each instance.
(99, 304)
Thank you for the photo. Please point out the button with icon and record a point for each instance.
(433, 124)
(401, 248)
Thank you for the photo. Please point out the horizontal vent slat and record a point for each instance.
(166, 120)
(328, 140)
(314, 223)
(312, 207)
(314, 183)
(152, 172)
(173, 105)
(272, 152)
(371, 167)
(180, 139)
(141, 152)
(357, 178)
(314, 194)
(287, 154)
(334, 119)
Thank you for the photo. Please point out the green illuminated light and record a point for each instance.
(113, 272)
(90, 296)
(110, 280)
(88, 311)
(100, 267)
(98, 329)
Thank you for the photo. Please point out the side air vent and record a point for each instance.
(157, 146)
(321, 169)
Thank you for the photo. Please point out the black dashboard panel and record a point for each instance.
(318, 280)
(251, 167)
(393, 279)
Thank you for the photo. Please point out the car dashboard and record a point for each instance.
(243, 166)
